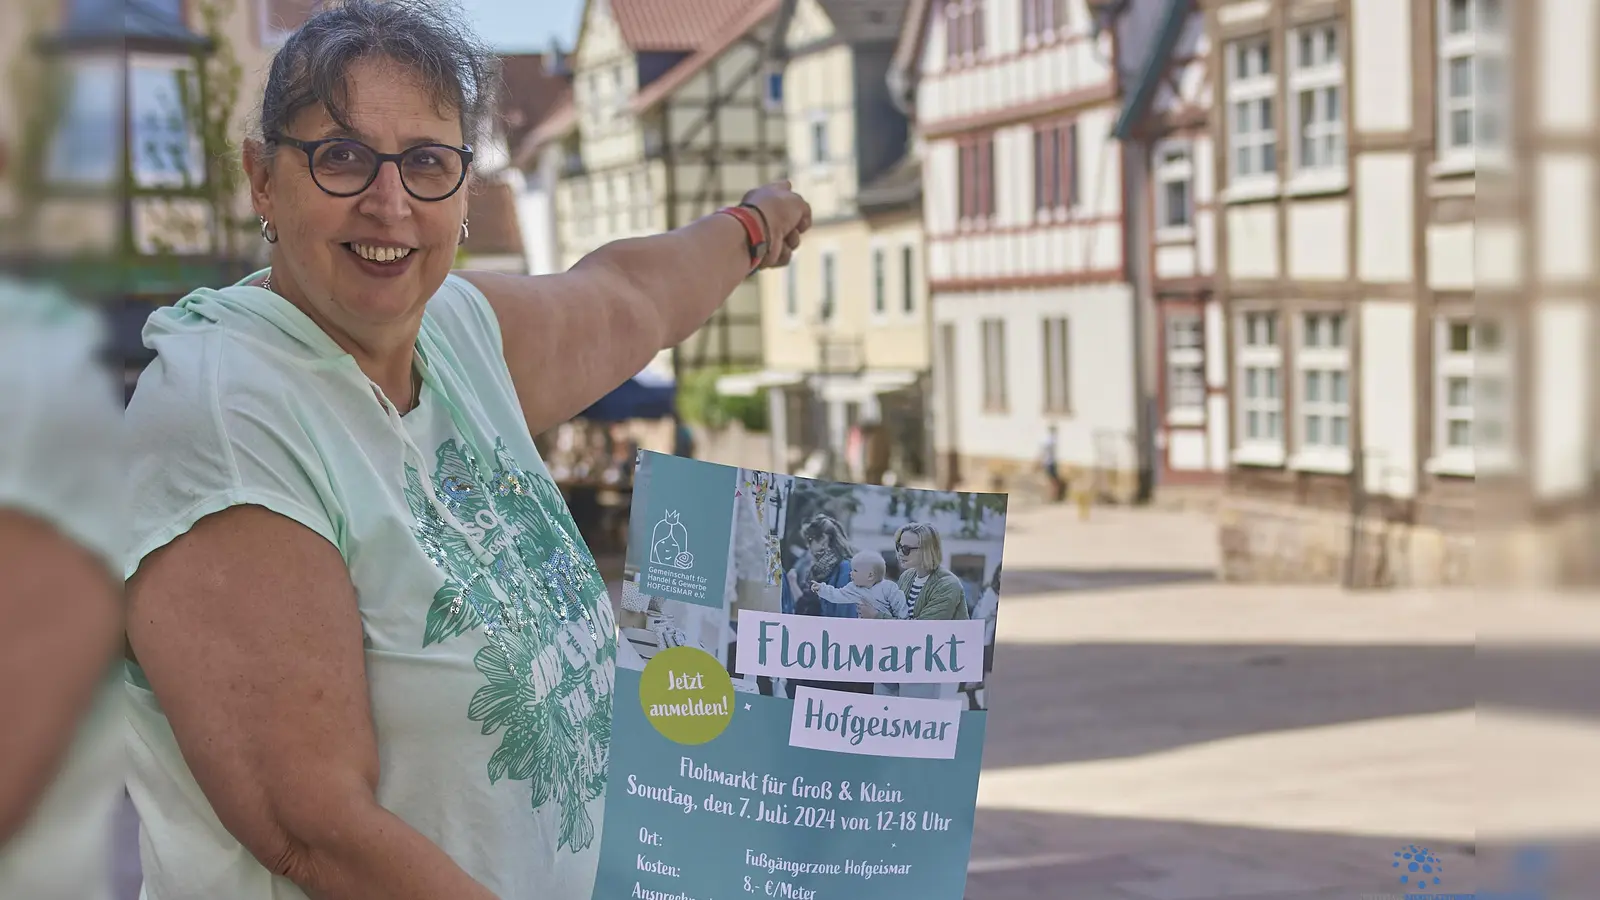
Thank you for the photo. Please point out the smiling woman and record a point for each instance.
(370, 654)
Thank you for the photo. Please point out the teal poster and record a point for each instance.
(801, 693)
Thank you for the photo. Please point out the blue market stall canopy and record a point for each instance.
(647, 395)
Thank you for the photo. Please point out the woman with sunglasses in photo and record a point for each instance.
(370, 654)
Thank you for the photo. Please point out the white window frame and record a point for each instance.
(1449, 365)
(1057, 369)
(1478, 44)
(1329, 359)
(1483, 365)
(1251, 88)
(1186, 356)
(1317, 76)
(1172, 171)
(792, 304)
(878, 263)
(828, 287)
(996, 392)
(1265, 355)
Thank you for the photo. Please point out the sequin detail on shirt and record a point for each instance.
(548, 620)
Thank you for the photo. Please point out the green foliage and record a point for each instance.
(212, 108)
(700, 404)
(970, 508)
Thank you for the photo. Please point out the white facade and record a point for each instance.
(536, 215)
(1033, 318)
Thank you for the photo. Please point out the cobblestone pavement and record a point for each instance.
(1157, 735)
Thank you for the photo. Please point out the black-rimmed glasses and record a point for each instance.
(344, 167)
(903, 550)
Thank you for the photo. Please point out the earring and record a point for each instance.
(465, 231)
(268, 233)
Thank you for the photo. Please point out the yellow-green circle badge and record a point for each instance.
(687, 695)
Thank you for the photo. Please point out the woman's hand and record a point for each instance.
(787, 216)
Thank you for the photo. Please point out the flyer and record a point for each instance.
(801, 690)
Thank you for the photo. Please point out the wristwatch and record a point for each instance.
(754, 230)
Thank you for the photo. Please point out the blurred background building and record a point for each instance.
(1267, 254)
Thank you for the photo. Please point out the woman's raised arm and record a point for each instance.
(571, 338)
(248, 631)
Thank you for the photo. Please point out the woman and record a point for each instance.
(827, 561)
(373, 657)
(60, 599)
(932, 591)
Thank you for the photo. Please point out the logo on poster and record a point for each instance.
(669, 543)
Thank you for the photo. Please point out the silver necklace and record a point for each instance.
(416, 382)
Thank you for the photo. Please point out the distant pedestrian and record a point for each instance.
(1051, 469)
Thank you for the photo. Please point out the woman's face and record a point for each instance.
(818, 544)
(906, 548)
(320, 236)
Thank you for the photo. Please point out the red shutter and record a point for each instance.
(1040, 170)
(977, 26)
(1070, 140)
(988, 176)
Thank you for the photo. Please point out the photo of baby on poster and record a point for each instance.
(801, 692)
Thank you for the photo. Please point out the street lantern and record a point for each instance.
(120, 172)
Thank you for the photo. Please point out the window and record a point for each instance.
(772, 90)
(880, 291)
(1470, 393)
(1043, 20)
(84, 147)
(1315, 83)
(963, 36)
(1186, 379)
(791, 291)
(1174, 186)
(1057, 356)
(1252, 128)
(1322, 361)
(1454, 389)
(819, 138)
(1055, 167)
(994, 365)
(1260, 360)
(1472, 78)
(908, 279)
(829, 283)
(975, 191)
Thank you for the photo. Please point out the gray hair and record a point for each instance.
(426, 36)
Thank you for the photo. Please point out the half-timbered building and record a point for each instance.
(1033, 317)
(1166, 126)
(846, 322)
(668, 122)
(1353, 135)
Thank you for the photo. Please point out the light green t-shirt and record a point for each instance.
(59, 463)
(490, 641)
